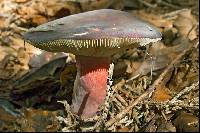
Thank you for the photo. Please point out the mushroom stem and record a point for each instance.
(90, 84)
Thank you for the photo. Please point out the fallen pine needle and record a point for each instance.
(149, 90)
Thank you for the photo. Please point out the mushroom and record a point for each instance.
(93, 37)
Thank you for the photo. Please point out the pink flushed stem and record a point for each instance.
(90, 85)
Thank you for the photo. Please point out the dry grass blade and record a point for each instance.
(150, 90)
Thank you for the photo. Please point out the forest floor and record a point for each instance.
(154, 89)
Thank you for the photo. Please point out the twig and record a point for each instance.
(132, 78)
(147, 4)
(162, 2)
(127, 109)
(184, 91)
(178, 103)
(67, 108)
(174, 13)
(149, 91)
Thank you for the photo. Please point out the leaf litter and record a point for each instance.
(153, 88)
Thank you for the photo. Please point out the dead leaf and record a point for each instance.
(159, 124)
(123, 129)
(88, 5)
(37, 120)
(60, 9)
(44, 57)
(169, 35)
(186, 122)
(118, 4)
(9, 67)
(165, 126)
(3, 22)
(39, 19)
(67, 73)
(24, 58)
(47, 71)
(21, 1)
(161, 94)
(154, 19)
(186, 24)
(8, 117)
(119, 69)
(157, 60)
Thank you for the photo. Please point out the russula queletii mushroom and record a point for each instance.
(93, 37)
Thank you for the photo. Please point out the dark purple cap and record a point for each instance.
(94, 33)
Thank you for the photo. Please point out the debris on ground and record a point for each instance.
(154, 88)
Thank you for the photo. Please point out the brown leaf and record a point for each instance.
(67, 73)
(8, 117)
(165, 126)
(60, 9)
(38, 120)
(3, 22)
(88, 5)
(9, 67)
(123, 129)
(119, 69)
(186, 122)
(161, 94)
(21, 1)
(39, 19)
(154, 19)
(186, 24)
(118, 4)
(44, 57)
(159, 124)
(158, 60)
(44, 73)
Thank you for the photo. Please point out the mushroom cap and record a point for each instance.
(95, 33)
